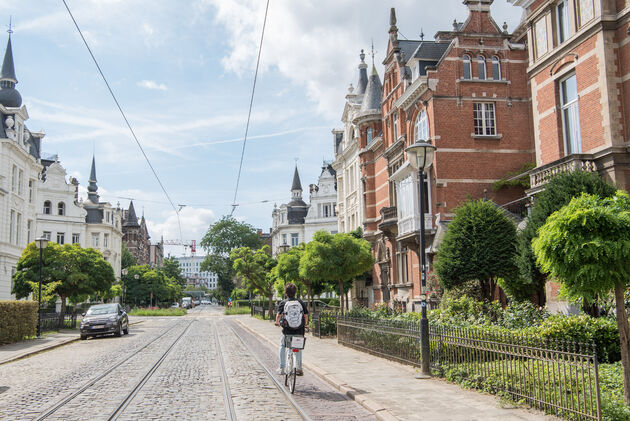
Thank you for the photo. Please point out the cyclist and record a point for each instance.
(287, 332)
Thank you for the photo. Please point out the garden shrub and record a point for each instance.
(520, 315)
(18, 320)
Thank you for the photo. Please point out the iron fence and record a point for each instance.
(263, 312)
(50, 321)
(324, 323)
(558, 377)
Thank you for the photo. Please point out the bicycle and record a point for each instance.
(294, 346)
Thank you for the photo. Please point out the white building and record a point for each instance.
(190, 267)
(346, 163)
(296, 222)
(20, 170)
(60, 218)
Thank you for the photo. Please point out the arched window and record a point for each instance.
(421, 128)
(61, 208)
(47, 207)
(496, 68)
(467, 70)
(481, 66)
(370, 135)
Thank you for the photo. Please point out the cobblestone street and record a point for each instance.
(166, 368)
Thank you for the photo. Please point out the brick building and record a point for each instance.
(136, 236)
(466, 92)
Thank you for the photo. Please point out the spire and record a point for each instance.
(130, 218)
(363, 78)
(393, 29)
(92, 187)
(373, 93)
(9, 96)
(297, 185)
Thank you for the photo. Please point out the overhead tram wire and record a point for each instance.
(124, 116)
(249, 114)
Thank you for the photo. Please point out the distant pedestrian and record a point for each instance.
(292, 315)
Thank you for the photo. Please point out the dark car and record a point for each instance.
(102, 319)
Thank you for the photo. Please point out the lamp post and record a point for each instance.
(41, 244)
(136, 277)
(124, 272)
(420, 156)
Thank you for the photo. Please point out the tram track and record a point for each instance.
(56, 407)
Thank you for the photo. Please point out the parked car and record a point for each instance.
(187, 302)
(205, 302)
(175, 305)
(102, 319)
(197, 302)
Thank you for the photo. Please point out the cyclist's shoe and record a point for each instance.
(299, 372)
(280, 371)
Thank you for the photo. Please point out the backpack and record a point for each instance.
(293, 314)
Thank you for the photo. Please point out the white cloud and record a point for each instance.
(194, 222)
(150, 84)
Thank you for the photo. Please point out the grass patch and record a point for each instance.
(158, 312)
(231, 311)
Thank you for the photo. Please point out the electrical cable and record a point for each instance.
(133, 134)
(249, 114)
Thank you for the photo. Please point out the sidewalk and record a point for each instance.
(18, 350)
(388, 389)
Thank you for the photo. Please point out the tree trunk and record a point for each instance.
(624, 337)
(270, 306)
(592, 309)
(341, 296)
(62, 311)
(310, 297)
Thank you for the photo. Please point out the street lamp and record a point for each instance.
(41, 243)
(136, 277)
(420, 156)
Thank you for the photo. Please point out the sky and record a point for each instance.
(182, 71)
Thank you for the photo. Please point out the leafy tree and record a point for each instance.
(480, 244)
(558, 192)
(339, 257)
(254, 267)
(288, 270)
(586, 246)
(150, 281)
(127, 258)
(170, 268)
(77, 271)
(222, 237)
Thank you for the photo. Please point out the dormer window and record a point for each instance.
(61, 209)
(467, 69)
(47, 207)
(481, 67)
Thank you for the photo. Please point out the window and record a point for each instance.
(562, 19)
(484, 119)
(95, 237)
(105, 240)
(326, 210)
(30, 191)
(106, 216)
(284, 239)
(586, 11)
(47, 207)
(61, 238)
(481, 67)
(29, 230)
(18, 229)
(47, 235)
(61, 208)
(467, 69)
(294, 239)
(370, 134)
(20, 185)
(421, 128)
(12, 227)
(496, 68)
(570, 115)
(395, 124)
(14, 179)
(76, 238)
(540, 28)
(403, 267)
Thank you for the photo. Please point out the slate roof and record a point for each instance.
(431, 50)
(8, 69)
(373, 93)
(297, 185)
(131, 220)
(9, 96)
(363, 78)
(92, 187)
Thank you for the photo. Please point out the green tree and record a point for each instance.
(288, 270)
(339, 257)
(480, 244)
(558, 192)
(254, 267)
(586, 246)
(170, 268)
(222, 237)
(77, 271)
(127, 258)
(150, 281)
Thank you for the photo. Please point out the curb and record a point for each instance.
(50, 347)
(379, 411)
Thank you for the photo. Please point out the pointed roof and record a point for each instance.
(373, 93)
(363, 78)
(8, 69)
(131, 220)
(92, 187)
(297, 185)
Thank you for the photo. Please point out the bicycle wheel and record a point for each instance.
(292, 374)
(288, 367)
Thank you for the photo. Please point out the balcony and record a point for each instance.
(389, 221)
(412, 224)
(539, 176)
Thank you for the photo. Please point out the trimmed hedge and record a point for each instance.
(18, 320)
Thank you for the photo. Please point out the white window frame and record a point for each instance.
(61, 209)
(395, 126)
(496, 68)
(18, 229)
(563, 20)
(105, 240)
(95, 239)
(481, 122)
(482, 71)
(20, 182)
(14, 179)
(570, 114)
(12, 227)
(421, 128)
(47, 235)
(29, 229)
(295, 239)
(76, 238)
(49, 207)
(31, 186)
(61, 238)
(467, 67)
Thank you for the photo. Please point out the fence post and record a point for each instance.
(599, 409)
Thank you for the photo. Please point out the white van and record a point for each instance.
(187, 302)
